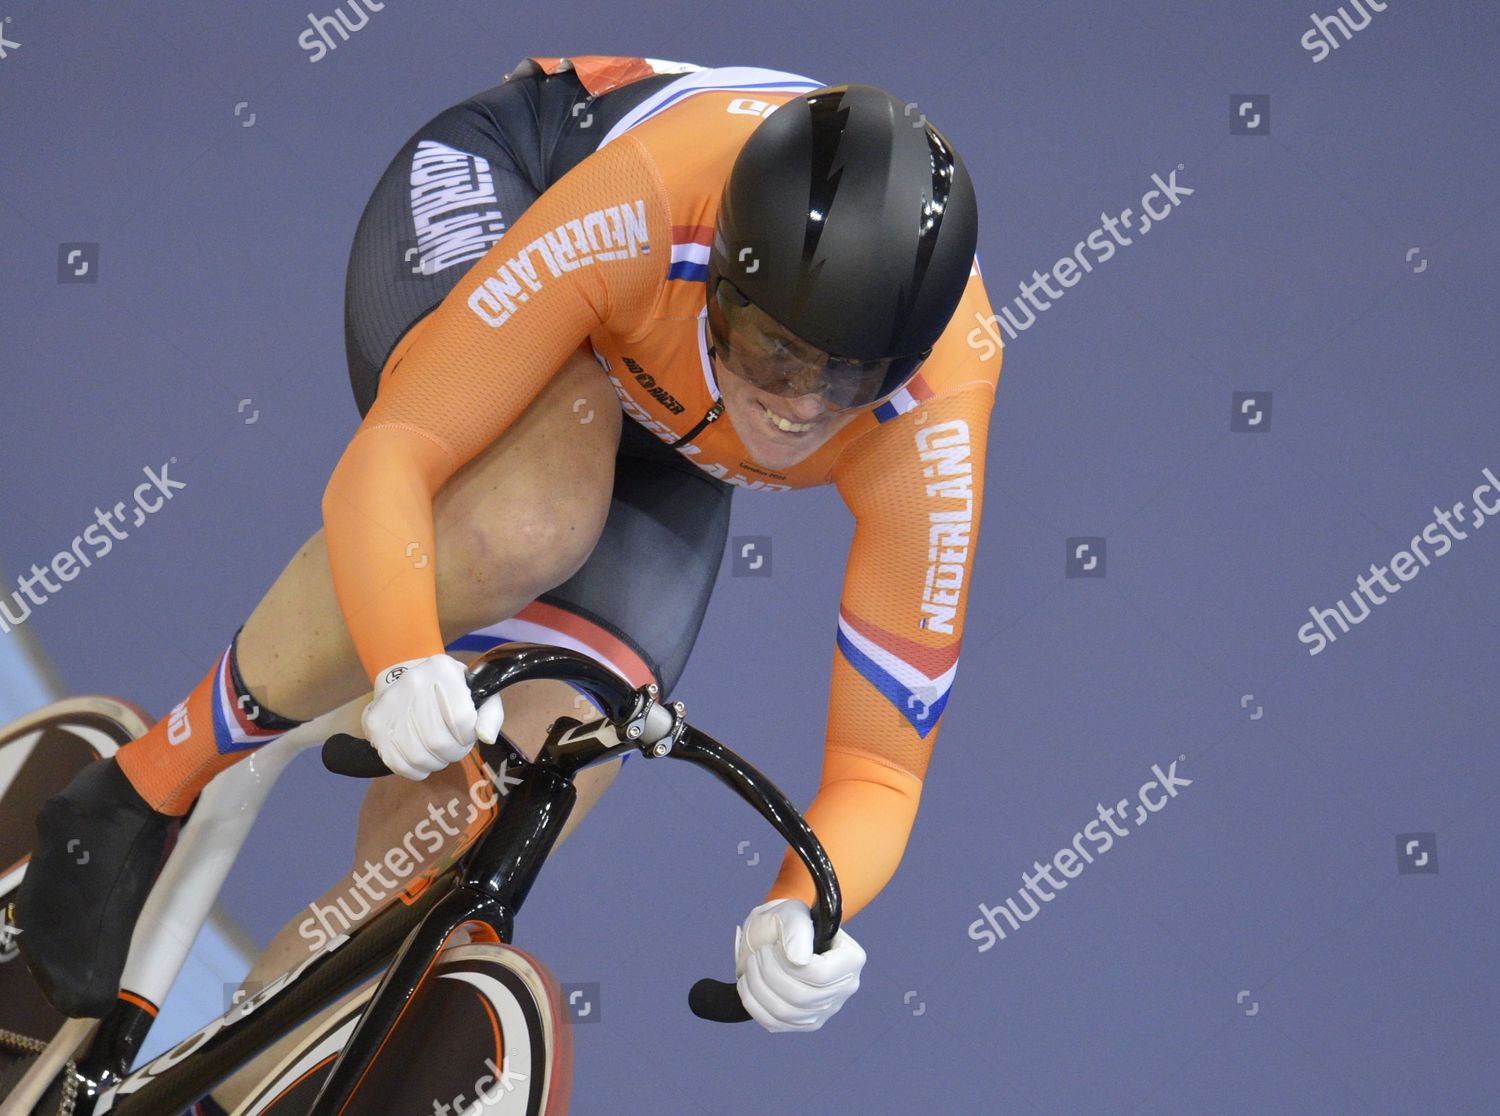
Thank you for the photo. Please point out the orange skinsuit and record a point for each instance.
(612, 255)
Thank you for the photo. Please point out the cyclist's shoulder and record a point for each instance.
(965, 356)
(949, 398)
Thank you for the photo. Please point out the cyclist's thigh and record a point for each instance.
(638, 601)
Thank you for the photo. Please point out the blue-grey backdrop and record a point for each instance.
(1311, 926)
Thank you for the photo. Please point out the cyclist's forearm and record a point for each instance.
(377, 510)
(863, 814)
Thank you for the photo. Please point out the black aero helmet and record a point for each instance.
(845, 236)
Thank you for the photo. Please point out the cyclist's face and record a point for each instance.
(761, 419)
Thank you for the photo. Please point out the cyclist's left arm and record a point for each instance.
(915, 486)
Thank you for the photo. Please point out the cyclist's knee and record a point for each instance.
(525, 515)
(517, 553)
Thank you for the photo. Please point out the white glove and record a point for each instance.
(423, 716)
(783, 984)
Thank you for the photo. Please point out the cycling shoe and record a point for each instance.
(99, 850)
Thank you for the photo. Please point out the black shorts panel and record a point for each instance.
(653, 569)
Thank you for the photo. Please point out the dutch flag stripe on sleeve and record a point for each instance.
(913, 678)
(690, 246)
(915, 393)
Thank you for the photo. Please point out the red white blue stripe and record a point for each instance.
(234, 728)
(914, 394)
(544, 623)
(913, 678)
(540, 622)
(690, 248)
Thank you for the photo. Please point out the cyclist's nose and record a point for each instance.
(805, 408)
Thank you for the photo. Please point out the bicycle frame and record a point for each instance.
(175, 912)
(483, 891)
(190, 882)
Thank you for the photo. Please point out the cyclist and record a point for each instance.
(581, 308)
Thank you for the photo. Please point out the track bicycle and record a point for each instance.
(446, 955)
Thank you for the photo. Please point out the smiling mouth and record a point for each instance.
(785, 425)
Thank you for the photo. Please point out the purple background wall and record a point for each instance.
(1256, 947)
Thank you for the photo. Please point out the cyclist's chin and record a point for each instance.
(755, 414)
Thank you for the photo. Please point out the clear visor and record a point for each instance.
(756, 347)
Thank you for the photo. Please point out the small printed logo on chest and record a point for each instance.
(653, 389)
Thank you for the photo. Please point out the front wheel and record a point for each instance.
(486, 1028)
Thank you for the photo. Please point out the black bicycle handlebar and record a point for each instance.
(353, 756)
(714, 1000)
(497, 670)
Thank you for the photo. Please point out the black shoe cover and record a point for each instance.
(99, 849)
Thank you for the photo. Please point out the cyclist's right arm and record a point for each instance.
(470, 369)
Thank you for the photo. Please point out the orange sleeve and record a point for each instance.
(914, 485)
(863, 814)
(591, 252)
